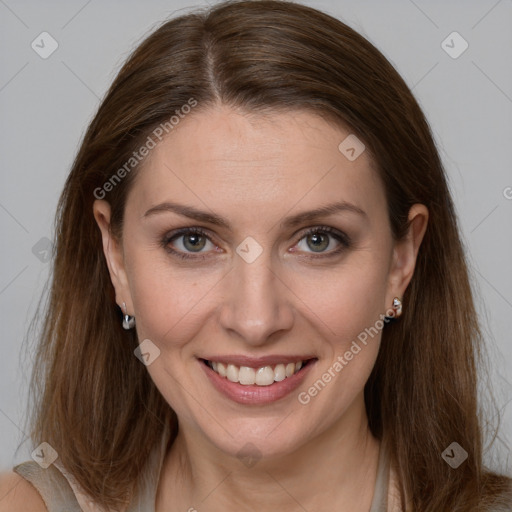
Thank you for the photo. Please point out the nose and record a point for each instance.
(257, 302)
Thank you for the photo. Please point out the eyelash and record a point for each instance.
(342, 238)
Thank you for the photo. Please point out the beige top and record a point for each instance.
(61, 494)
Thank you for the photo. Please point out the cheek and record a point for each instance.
(347, 309)
(168, 301)
(170, 306)
(345, 301)
(351, 312)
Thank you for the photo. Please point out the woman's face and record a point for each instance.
(254, 288)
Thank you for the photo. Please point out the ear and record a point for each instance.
(112, 249)
(405, 253)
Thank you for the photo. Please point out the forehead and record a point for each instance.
(241, 164)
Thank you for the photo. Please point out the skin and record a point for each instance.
(19, 495)
(255, 171)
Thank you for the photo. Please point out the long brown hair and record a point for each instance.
(95, 402)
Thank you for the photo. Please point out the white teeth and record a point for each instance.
(232, 373)
(290, 369)
(246, 376)
(279, 373)
(221, 369)
(264, 376)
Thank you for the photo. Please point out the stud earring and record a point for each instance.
(397, 307)
(128, 320)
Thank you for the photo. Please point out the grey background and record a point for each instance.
(46, 104)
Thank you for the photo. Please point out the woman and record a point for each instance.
(258, 285)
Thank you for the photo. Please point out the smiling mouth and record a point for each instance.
(262, 376)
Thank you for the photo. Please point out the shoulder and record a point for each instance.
(19, 495)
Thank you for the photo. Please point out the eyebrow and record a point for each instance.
(289, 222)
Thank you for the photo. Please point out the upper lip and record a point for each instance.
(258, 362)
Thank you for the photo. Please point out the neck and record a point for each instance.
(334, 470)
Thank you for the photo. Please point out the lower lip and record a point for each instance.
(256, 395)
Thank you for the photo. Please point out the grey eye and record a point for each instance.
(317, 242)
